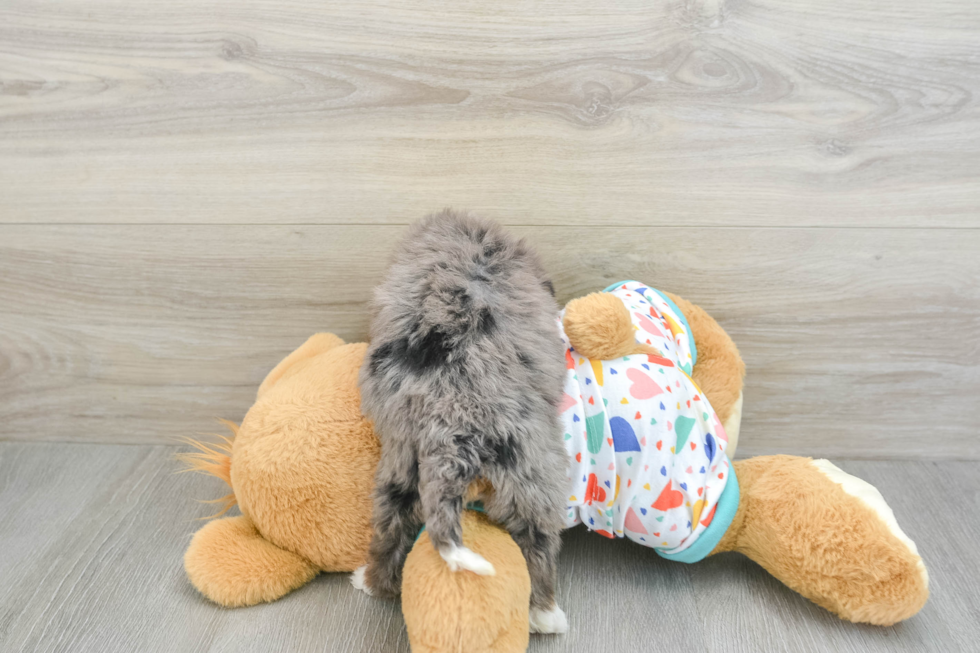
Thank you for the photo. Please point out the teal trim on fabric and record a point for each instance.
(724, 514)
(612, 287)
(680, 314)
(476, 506)
(687, 327)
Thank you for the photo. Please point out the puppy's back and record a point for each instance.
(465, 310)
(462, 381)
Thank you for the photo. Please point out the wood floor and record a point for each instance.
(92, 538)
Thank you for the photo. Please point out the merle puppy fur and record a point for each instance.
(462, 381)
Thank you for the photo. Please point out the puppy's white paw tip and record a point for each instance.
(551, 621)
(459, 557)
(358, 581)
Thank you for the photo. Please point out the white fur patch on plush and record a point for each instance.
(357, 580)
(459, 557)
(548, 621)
(732, 426)
(871, 497)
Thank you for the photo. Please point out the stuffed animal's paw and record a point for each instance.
(358, 580)
(548, 621)
(459, 557)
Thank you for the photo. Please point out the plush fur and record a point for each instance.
(463, 376)
(232, 564)
(802, 528)
(599, 324)
(301, 455)
(302, 466)
(432, 596)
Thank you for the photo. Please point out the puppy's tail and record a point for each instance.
(442, 497)
(213, 459)
(460, 558)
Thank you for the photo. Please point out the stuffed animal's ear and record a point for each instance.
(315, 344)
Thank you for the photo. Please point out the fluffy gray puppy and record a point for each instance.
(462, 381)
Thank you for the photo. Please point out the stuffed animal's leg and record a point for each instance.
(448, 612)
(229, 562)
(829, 536)
(719, 371)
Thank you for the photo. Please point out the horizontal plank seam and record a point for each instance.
(91, 443)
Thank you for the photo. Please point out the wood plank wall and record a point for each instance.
(188, 190)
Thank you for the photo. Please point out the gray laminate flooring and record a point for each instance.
(91, 539)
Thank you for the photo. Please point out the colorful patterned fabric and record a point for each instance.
(646, 451)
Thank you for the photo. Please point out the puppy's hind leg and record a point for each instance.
(445, 473)
(396, 520)
(528, 512)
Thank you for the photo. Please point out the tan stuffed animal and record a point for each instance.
(301, 467)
